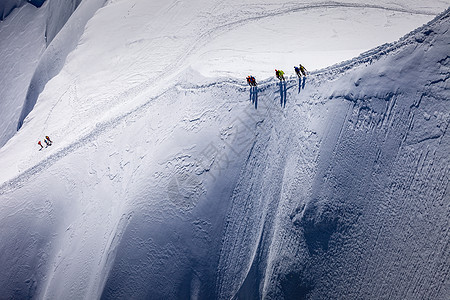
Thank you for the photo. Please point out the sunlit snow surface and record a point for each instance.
(166, 184)
(316, 36)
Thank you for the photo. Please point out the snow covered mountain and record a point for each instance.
(169, 179)
(356, 203)
(30, 54)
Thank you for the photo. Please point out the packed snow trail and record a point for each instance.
(325, 74)
(100, 128)
(225, 20)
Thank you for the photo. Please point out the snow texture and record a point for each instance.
(164, 183)
(22, 44)
(31, 56)
(53, 59)
(357, 206)
(7, 6)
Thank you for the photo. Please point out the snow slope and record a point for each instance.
(7, 6)
(357, 202)
(31, 55)
(216, 44)
(162, 183)
(22, 44)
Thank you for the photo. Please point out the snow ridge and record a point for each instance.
(375, 54)
(328, 222)
(334, 184)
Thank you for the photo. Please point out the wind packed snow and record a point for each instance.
(169, 178)
(30, 59)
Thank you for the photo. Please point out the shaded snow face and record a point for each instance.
(37, 3)
(23, 43)
(6, 6)
(53, 59)
(27, 60)
(356, 201)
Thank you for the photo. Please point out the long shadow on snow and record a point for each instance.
(283, 93)
(177, 246)
(99, 129)
(243, 204)
(254, 95)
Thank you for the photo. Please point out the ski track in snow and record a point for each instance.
(288, 9)
(253, 14)
(237, 20)
(100, 128)
(329, 73)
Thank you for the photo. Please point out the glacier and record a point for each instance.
(169, 179)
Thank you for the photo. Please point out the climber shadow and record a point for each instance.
(283, 93)
(301, 83)
(254, 96)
